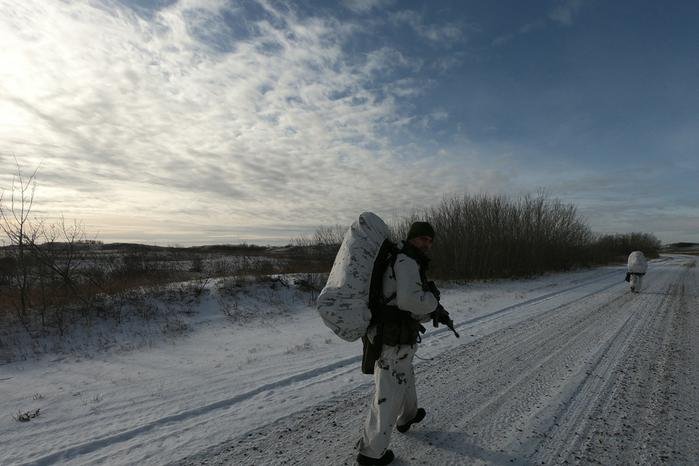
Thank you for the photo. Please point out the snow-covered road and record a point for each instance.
(589, 373)
(567, 366)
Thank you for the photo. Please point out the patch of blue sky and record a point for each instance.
(560, 90)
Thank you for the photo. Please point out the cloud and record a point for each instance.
(525, 29)
(383, 61)
(564, 11)
(443, 33)
(448, 63)
(365, 6)
(136, 114)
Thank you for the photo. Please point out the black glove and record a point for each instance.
(441, 316)
(433, 288)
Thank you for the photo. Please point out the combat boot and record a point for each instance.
(419, 416)
(367, 460)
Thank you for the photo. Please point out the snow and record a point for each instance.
(271, 362)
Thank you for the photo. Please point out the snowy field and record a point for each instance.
(564, 367)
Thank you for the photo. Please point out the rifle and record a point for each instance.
(441, 316)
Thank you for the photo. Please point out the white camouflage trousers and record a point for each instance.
(636, 281)
(395, 399)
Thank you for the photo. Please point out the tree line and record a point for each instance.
(494, 236)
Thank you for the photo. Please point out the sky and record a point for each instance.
(215, 121)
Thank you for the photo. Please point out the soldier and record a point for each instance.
(636, 269)
(409, 299)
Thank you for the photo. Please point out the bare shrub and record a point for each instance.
(138, 262)
(129, 302)
(311, 283)
(231, 285)
(198, 286)
(317, 252)
(606, 248)
(197, 265)
(222, 268)
(324, 235)
(496, 236)
(175, 327)
(255, 266)
(228, 307)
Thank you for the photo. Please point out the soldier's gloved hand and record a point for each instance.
(433, 288)
(441, 316)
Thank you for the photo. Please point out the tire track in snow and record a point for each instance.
(335, 424)
(530, 302)
(93, 445)
(647, 374)
(522, 364)
(305, 376)
(458, 382)
(577, 403)
(492, 401)
(565, 427)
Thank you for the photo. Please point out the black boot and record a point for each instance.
(419, 416)
(385, 459)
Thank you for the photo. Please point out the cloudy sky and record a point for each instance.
(222, 121)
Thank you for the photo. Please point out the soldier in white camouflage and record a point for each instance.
(409, 300)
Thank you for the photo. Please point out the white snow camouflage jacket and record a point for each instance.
(407, 286)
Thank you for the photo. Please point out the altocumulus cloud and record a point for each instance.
(198, 113)
(183, 112)
(203, 114)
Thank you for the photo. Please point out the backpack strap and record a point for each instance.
(395, 250)
(385, 258)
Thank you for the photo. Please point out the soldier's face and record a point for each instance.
(423, 243)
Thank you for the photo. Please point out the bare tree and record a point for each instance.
(42, 258)
(20, 233)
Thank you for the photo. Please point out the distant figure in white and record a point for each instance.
(635, 270)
